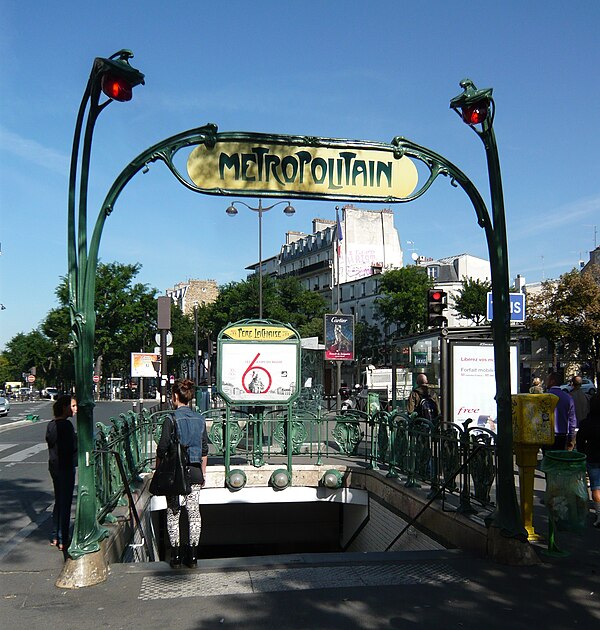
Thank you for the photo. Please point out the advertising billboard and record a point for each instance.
(339, 337)
(474, 382)
(267, 373)
(141, 364)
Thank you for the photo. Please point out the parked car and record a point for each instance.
(50, 392)
(587, 386)
(4, 406)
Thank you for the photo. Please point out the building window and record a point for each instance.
(433, 272)
(363, 289)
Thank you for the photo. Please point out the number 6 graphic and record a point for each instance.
(256, 385)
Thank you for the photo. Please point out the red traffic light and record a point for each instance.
(476, 113)
(436, 296)
(116, 87)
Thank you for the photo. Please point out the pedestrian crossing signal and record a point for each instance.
(437, 303)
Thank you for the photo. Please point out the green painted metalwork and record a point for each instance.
(347, 433)
(483, 466)
(131, 437)
(298, 437)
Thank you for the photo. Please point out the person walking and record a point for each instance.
(423, 400)
(191, 428)
(62, 460)
(588, 442)
(580, 399)
(565, 421)
(536, 386)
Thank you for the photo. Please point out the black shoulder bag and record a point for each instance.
(172, 476)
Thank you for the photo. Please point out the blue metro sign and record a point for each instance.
(517, 307)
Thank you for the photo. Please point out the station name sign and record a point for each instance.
(258, 333)
(325, 168)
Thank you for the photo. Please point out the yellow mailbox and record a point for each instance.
(533, 419)
(533, 426)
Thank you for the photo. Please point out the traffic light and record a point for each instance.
(117, 77)
(437, 303)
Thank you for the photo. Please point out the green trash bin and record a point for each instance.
(566, 491)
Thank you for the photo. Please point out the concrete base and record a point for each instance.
(510, 551)
(88, 570)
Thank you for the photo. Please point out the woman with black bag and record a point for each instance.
(190, 428)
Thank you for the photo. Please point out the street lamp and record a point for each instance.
(477, 109)
(116, 78)
(288, 211)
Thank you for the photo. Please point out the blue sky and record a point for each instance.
(346, 69)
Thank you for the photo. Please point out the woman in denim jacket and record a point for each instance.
(191, 428)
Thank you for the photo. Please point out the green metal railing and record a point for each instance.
(130, 438)
(413, 450)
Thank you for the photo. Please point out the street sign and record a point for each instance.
(31, 378)
(290, 164)
(169, 337)
(517, 307)
(96, 378)
(169, 350)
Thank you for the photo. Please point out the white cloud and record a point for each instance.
(33, 151)
(567, 214)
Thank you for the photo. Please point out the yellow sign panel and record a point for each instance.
(258, 333)
(260, 165)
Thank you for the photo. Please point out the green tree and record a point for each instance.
(368, 342)
(25, 351)
(567, 312)
(284, 299)
(6, 373)
(404, 298)
(125, 319)
(470, 302)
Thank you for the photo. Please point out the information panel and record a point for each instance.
(259, 363)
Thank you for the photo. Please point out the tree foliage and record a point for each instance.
(567, 312)
(470, 302)
(404, 298)
(26, 351)
(125, 323)
(368, 342)
(284, 300)
(125, 315)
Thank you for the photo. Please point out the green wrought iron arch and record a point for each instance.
(475, 107)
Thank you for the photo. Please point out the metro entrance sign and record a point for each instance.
(517, 307)
(254, 163)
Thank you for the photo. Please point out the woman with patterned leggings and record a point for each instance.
(191, 429)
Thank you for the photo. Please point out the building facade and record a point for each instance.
(186, 294)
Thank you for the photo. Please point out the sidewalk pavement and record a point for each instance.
(431, 589)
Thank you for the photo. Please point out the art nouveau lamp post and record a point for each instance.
(114, 78)
(477, 109)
